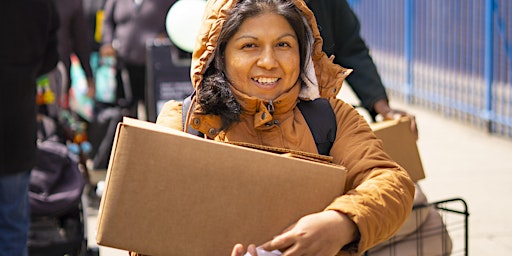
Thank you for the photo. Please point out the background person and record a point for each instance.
(28, 49)
(127, 26)
(255, 59)
(340, 30)
(73, 38)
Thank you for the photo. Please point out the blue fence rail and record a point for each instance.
(452, 56)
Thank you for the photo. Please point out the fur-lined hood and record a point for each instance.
(323, 83)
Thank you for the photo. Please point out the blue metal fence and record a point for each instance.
(452, 56)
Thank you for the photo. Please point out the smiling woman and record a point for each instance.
(255, 60)
(263, 57)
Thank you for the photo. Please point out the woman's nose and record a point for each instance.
(267, 59)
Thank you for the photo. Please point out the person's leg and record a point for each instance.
(14, 214)
(137, 74)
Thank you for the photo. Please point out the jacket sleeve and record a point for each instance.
(340, 29)
(378, 192)
(108, 25)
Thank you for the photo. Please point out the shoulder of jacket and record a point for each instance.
(343, 110)
(170, 115)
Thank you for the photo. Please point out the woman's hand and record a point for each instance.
(107, 50)
(238, 250)
(91, 87)
(323, 233)
(382, 107)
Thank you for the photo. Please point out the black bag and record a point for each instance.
(56, 183)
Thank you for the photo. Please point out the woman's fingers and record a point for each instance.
(280, 242)
(238, 250)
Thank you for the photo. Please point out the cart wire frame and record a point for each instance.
(453, 232)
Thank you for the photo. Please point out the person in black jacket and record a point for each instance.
(73, 37)
(28, 49)
(340, 30)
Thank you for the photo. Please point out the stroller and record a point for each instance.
(58, 211)
(57, 182)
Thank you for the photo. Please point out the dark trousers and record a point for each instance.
(137, 77)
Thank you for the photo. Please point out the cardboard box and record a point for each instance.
(170, 193)
(400, 144)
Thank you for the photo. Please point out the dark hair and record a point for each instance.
(214, 95)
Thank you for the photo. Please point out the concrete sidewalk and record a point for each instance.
(460, 162)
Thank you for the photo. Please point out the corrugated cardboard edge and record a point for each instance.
(292, 153)
(105, 191)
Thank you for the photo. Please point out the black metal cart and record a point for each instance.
(444, 232)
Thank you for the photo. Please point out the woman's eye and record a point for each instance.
(283, 44)
(248, 45)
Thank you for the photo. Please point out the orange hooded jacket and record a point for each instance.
(378, 193)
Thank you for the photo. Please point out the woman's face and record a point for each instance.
(262, 58)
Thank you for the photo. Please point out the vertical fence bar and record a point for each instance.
(443, 44)
(476, 61)
(408, 48)
(488, 62)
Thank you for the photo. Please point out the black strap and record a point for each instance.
(184, 109)
(321, 121)
(319, 116)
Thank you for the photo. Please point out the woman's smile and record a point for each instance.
(266, 82)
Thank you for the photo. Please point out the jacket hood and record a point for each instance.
(325, 77)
